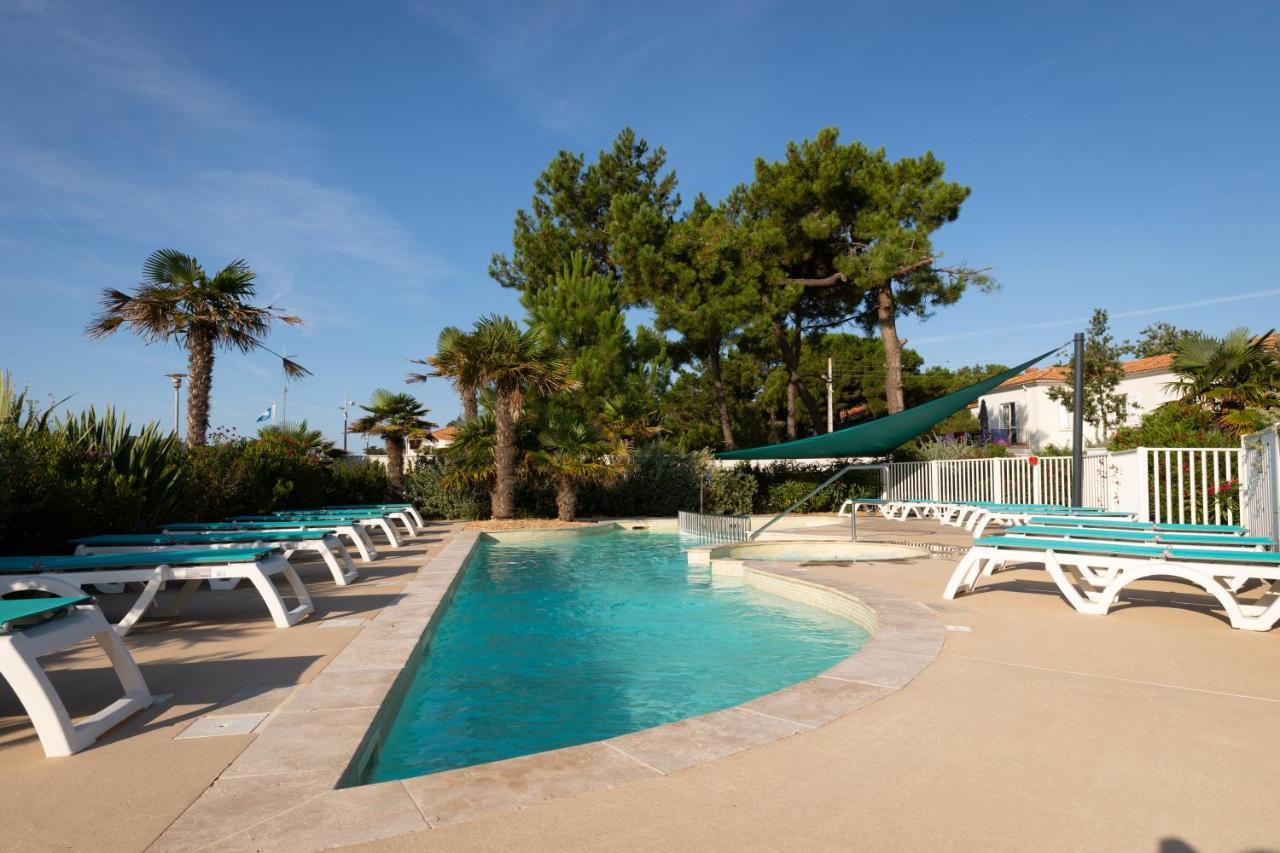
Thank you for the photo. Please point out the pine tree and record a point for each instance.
(1104, 405)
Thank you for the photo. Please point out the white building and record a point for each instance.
(443, 437)
(1021, 413)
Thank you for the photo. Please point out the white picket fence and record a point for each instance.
(1010, 479)
(1157, 483)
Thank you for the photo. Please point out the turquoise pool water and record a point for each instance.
(553, 643)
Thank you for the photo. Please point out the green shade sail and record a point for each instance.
(883, 434)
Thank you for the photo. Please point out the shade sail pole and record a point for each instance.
(1077, 425)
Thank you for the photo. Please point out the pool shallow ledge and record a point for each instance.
(286, 788)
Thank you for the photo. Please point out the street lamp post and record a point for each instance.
(176, 379)
(346, 408)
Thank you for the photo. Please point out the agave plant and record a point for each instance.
(16, 409)
(151, 459)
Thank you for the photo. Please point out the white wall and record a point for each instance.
(1044, 421)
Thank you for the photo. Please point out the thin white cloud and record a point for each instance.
(1114, 315)
(93, 45)
(240, 188)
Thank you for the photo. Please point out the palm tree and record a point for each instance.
(1236, 376)
(300, 436)
(178, 301)
(397, 417)
(574, 452)
(456, 359)
(514, 363)
(470, 456)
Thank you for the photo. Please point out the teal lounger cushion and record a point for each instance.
(1139, 525)
(1266, 558)
(1150, 535)
(247, 526)
(18, 613)
(110, 539)
(72, 563)
(1071, 546)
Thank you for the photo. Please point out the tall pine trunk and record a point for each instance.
(395, 462)
(504, 458)
(722, 405)
(199, 384)
(887, 318)
(566, 499)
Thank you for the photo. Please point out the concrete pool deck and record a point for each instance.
(1035, 728)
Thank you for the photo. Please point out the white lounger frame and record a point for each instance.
(356, 534)
(329, 547)
(383, 523)
(20, 653)
(851, 505)
(260, 573)
(1091, 583)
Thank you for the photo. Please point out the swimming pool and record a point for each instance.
(555, 642)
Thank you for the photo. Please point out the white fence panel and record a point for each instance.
(1260, 478)
(1127, 482)
(904, 481)
(1183, 482)
(729, 528)
(1157, 483)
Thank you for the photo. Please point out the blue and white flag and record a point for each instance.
(268, 414)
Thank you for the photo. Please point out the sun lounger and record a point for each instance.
(323, 542)
(153, 569)
(353, 531)
(1158, 537)
(1010, 514)
(32, 628)
(852, 505)
(380, 522)
(1091, 575)
(391, 507)
(393, 513)
(1123, 524)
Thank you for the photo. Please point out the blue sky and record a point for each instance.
(368, 158)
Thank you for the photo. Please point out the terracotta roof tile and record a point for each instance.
(1059, 373)
(1133, 367)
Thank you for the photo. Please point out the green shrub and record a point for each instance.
(1175, 424)
(424, 488)
(357, 482)
(244, 477)
(85, 475)
(660, 483)
(92, 474)
(784, 494)
(785, 480)
(730, 491)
